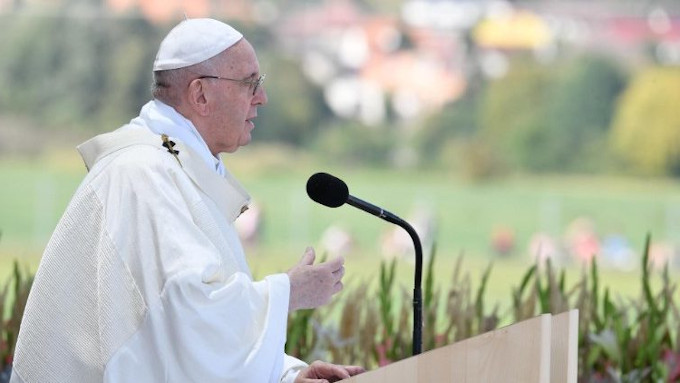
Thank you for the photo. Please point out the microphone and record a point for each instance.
(331, 191)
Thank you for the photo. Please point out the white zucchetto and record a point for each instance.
(193, 41)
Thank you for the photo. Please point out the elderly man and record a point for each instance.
(144, 278)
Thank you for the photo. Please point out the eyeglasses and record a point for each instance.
(254, 83)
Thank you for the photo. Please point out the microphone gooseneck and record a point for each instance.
(331, 191)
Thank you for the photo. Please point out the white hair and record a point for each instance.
(168, 84)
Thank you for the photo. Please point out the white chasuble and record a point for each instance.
(145, 280)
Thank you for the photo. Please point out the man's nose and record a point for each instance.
(260, 96)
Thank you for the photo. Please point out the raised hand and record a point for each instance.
(313, 285)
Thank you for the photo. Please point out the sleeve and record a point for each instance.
(291, 368)
(207, 320)
(200, 334)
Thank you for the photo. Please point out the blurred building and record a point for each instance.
(370, 63)
(630, 30)
(164, 11)
(373, 67)
(422, 59)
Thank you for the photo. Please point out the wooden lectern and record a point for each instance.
(538, 350)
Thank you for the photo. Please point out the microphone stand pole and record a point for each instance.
(417, 289)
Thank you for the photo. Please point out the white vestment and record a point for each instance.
(145, 279)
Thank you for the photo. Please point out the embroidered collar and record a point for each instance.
(231, 198)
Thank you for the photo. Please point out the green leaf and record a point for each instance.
(479, 300)
(607, 341)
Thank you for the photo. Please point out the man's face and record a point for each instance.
(233, 105)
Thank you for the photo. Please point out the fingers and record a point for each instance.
(355, 370)
(340, 373)
(337, 287)
(308, 257)
(328, 371)
(338, 271)
(336, 266)
(336, 263)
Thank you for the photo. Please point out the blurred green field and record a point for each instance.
(37, 190)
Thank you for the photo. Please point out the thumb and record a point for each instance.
(308, 257)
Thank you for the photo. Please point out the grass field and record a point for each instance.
(466, 214)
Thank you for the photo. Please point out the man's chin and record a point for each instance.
(245, 141)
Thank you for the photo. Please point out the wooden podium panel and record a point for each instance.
(564, 347)
(538, 350)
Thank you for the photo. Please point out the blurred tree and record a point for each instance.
(552, 118)
(510, 112)
(450, 140)
(69, 71)
(455, 122)
(646, 128)
(351, 143)
(383, 7)
(578, 116)
(69, 81)
(26, 54)
(128, 76)
(295, 110)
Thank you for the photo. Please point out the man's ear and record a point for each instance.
(196, 97)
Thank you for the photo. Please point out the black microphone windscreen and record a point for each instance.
(327, 190)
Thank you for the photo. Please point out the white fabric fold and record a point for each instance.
(163, 119)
